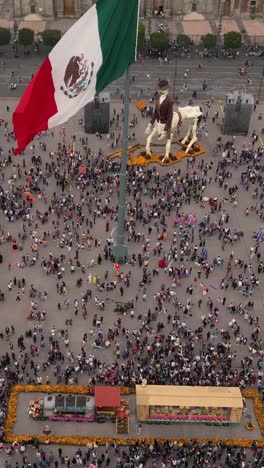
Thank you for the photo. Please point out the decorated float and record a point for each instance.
(100, 406)
(184, 404)
(63, 407)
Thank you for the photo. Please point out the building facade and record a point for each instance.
(209, 8)
(206, 7)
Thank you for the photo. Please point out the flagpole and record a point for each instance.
(120, 249)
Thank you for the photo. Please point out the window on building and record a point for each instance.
(252, 9)
(194, 7)
(33, 9)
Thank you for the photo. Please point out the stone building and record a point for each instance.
(74, 8)
(209, 8)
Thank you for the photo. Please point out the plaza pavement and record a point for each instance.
(220, 75)
(12, 312)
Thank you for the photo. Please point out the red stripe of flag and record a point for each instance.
(35, 108)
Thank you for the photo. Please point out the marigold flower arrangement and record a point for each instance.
(81, 441)
(249, 426)
(141, 105)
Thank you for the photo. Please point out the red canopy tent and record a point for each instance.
(107, 397)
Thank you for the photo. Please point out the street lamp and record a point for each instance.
(219, 30)
(149, 27)
(14, 18)
(260, 84)
(175, 75)
(150, 8)
(15, 27)
(55, 11)
(82, 7)
(14, 10)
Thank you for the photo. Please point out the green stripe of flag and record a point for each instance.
(117, 24)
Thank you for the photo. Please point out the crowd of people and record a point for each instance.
(139, 455)
(192, 277)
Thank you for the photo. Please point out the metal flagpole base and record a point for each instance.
(119, 251)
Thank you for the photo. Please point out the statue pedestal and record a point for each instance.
(167, 13)
(119, 251)
(137, 157)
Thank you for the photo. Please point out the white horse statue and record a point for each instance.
(191, 114)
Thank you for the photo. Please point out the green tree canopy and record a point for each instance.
(25, 36)
(184, 40)
(51, 37)
(141, 36)
(159, 40)
(209, 41)
(5, 36)
(232, 40)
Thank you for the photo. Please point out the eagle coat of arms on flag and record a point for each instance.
(77, 77)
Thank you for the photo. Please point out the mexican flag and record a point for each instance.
(95, 51)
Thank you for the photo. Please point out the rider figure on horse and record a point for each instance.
(163, 112)
(165, 122)
(162, 116)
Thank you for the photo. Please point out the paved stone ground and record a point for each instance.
(37, 275)
(13, 312)
(220, 75)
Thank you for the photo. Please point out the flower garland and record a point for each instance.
(249, 427)
(141, 105)
(258, 408)
(80, 441)
(71, 440)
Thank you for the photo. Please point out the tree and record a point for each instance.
(159, 40)
(141, 36)
(51, 37)
(232, 40)
(184, 40)
(5, 36)
(209, 41)
(25, 36)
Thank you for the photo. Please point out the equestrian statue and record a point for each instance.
(164, 122)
